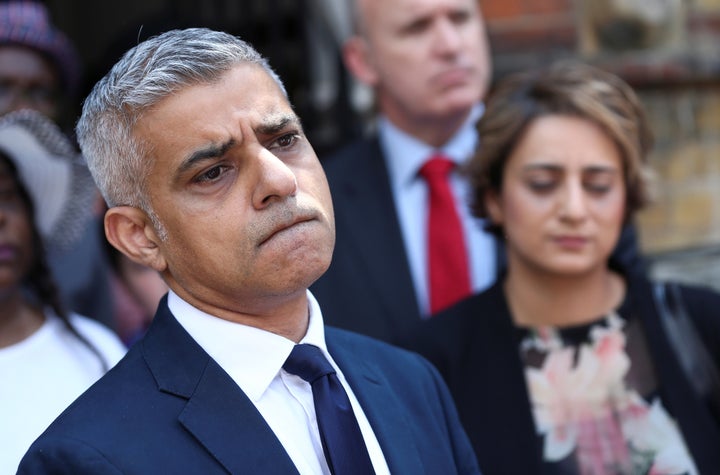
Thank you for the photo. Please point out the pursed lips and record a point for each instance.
(452, 76)
(286, 225)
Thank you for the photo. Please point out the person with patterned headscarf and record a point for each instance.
(48, 355)
(39, 66)
(40, 70)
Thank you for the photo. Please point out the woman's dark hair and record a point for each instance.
(39, 280)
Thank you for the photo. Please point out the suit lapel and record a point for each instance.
(226, 422)
(384, 411)
(217, 412)
(364, 188)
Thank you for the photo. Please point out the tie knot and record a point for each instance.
(437, 167)
(308, 362)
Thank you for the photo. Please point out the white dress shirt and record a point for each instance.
(253, 358)
(404, 156)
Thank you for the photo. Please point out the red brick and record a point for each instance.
(531, 7)
(501, 9)
(533, 39)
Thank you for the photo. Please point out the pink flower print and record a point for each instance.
(565, 395)
(581, 404)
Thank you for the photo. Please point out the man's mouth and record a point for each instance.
(285, 226)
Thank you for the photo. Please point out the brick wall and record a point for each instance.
(676, 73)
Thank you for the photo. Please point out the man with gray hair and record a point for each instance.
(211, 182)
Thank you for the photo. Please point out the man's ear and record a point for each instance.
(130, 231)
(356, 53)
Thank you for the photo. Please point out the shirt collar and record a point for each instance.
(405, 155)
(251, 356)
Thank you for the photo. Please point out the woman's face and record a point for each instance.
(562, 202)
(16, 235)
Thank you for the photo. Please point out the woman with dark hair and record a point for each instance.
(565, 366)
(48, 357)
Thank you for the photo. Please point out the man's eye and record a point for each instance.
(460, 17)
(286, 141)
(211, 175)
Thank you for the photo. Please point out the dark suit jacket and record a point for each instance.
(168, 407)
(368, 287)
(474, 345)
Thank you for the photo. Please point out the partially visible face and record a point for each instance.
(16, 249)
(143, 282)
(562, 202)
(239, 191)
(27, 81)
(430, 57)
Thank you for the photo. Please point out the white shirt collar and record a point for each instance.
(251, 356)
(405, 155)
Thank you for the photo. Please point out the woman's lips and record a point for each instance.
(571, 242)
(8, 252)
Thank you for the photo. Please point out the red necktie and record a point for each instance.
(449, 277)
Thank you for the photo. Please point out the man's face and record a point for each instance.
(240, 193)
(27, 81)
(430, 58)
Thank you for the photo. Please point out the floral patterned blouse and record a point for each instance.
(595, 401)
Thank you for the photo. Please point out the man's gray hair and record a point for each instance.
(145, 75)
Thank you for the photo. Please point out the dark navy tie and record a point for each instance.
(342, 441)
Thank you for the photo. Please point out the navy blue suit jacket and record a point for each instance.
(368, 287)
(168, 407)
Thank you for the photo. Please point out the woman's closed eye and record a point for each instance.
(600, 182)
(542, 186)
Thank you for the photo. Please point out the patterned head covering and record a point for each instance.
(27, 23)
(54, 174)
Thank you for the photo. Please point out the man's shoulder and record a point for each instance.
(110, 398)
(366, 348)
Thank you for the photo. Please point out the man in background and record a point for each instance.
(428, 62)
(407, 244)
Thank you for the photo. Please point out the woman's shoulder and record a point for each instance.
(478, 308)
(475, 317)
(103, 338)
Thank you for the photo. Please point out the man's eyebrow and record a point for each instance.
(277, 124)
(209, 152)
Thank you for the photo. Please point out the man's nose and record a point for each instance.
(447, 38)
(275, 180)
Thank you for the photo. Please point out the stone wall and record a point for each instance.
(672, 58)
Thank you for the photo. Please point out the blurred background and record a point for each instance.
(669, 50)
